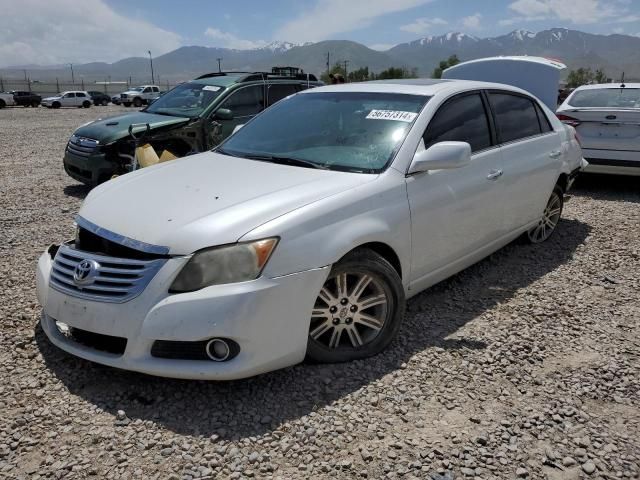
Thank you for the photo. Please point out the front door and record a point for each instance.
(456, 212)
(244, 103)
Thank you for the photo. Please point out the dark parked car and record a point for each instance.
(99, 98)
(193, 117)
(26, 99)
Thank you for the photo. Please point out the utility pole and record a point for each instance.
(73, 80)
(219, 65)
(346, 62)
(153, 80)
(328, 63)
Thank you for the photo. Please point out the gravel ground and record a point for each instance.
(523, 366)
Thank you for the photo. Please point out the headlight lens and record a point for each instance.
(215, 266)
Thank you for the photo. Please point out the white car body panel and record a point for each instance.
(8, 99)
(436, 222)
(610, 136)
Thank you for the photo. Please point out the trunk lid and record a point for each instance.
(606, 128)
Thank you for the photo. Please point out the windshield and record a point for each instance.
(136, 89)
(351, 131)
(186, 100)
(607, 97)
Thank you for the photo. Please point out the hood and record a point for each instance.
(52, 98)
(109, 129)
(207, 199)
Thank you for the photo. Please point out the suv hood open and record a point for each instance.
(109, 129)
(207, 199)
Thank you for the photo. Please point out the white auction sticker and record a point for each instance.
(211, 88)
(392, 115)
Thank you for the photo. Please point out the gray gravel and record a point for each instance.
(523, 366)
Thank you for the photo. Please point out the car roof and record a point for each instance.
(607, 85)
(415, 86)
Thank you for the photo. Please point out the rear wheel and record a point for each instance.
(104, 102)
(35, 104)
(550, 218)
(2, 104)
(86, 104)
(137, 102)
(358, 311)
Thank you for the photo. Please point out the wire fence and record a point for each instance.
(51, 88)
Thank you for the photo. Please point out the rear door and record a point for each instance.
(278, 91)
(532, 156)
(456, 212)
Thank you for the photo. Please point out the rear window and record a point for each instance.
(606, 97)
(516, 116)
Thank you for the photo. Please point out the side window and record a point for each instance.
(79, 94)
(155, 89)
(461, 119)
(545, 125)
(278, 92)
(147, 90)
(70, 95)
(246, 102)
(516, 116)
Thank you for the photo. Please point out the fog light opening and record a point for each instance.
(218, 350)
(63, 328)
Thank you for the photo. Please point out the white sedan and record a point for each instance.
(6, 99)
(68, 99)
(306, 231)
(607, 119)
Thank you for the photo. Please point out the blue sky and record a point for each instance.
(62, 31)
(376, 23)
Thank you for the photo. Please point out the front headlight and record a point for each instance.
(230, 264)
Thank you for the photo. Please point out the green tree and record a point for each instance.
(360, 75)
(581, 76)
(336, 69)
(444, 64)
(600, 76)
(397, 72)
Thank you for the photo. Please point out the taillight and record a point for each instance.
(566, 119)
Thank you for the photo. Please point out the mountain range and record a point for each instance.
(613, 53)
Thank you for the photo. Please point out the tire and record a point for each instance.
(346, 304)
(137, 102)
(104, 102)
(86, 104)
(126, 104)
(549, 219)
(55, 105)
(2, 104)
(35, 104)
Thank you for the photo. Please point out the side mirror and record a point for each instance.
(441, 156)
(224, 114)
(236, 128)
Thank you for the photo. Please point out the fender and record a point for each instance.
(313, 238)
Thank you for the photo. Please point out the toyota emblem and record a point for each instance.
(85, 271)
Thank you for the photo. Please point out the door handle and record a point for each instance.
(494, 174)
(555, 154)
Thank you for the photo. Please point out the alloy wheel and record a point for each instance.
(550, 218)
(350, 311)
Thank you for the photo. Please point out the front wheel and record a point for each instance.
(358, 311)
(55, 105)
(550, 218)
(2, 104)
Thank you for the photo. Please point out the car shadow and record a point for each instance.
(619, 188)
(77, 190)
(251, 407)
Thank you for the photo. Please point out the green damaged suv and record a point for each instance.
(193, 117)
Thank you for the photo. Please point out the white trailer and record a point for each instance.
(538, 75)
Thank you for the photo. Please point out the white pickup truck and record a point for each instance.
(6, 99)
(138, 96)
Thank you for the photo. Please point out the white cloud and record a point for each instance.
(472, 22)
(382, 46)
(61, 31)
(422, 25)
(331, 17)
(229, 40)
(574, 11)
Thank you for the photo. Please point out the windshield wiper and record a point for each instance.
(296, 162)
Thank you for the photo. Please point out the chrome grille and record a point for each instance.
(109, 279)
(81, 146)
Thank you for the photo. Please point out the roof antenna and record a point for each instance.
(622, 85)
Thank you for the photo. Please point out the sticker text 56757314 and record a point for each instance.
(392, 115)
